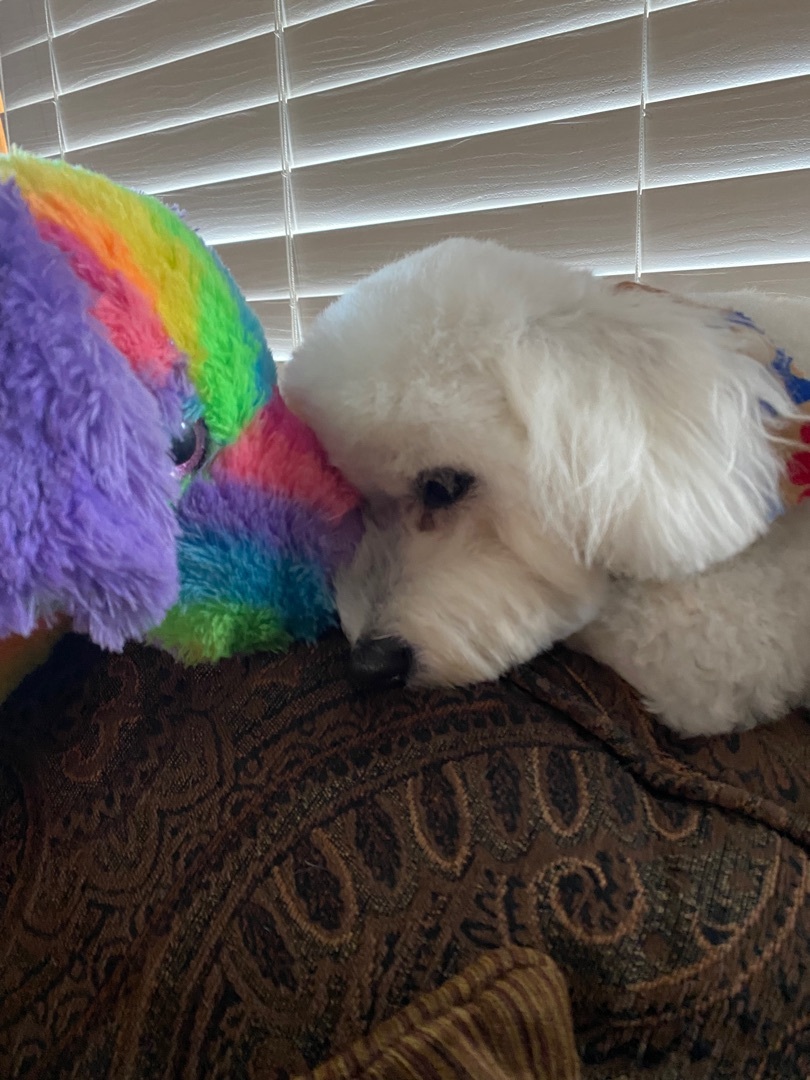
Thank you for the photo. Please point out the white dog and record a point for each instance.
(544, 454)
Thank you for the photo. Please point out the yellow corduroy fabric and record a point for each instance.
(506, 1017)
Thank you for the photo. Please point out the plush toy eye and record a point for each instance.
(439, 488)
(189, 448)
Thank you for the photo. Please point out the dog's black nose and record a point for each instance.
(377, 663)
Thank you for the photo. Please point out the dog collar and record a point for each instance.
(755, 343)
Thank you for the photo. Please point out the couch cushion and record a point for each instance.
(507, 1015)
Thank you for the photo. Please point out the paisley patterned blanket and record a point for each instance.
(241, 871)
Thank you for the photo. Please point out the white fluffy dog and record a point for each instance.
(543, 455)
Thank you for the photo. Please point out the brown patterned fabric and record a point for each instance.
(507, 1015)
(239, 872)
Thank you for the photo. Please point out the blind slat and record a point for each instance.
(225, 80)
(578, 73)
(27, 75)
(259, 267)
(235, 210)
(298, 11)
(717, 44)
(276, 318)
(750, 219)
(68, 15)
(591, 154)
(22, 23)
(751, 129)
(154, 34)
(597, 232)
(367, 42)
(34, 128)
(224, 148)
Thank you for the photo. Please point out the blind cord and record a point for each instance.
(286, 170)
(57, 105)
(642, 137)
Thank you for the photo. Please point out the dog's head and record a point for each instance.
(519, 430)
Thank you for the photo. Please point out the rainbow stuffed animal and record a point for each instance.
(153, 484)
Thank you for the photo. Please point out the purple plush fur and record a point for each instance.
(87, 517)
(285, 527)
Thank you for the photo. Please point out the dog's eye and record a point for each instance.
(439, 488)
(189, 448)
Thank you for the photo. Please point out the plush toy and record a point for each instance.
(153, 484)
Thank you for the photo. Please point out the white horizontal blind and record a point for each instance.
(314, 140)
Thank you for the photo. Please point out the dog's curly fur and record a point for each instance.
(722, 650)
(615, 445)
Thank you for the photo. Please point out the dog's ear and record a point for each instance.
(650, 429)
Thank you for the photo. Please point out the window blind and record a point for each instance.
(313, 140)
